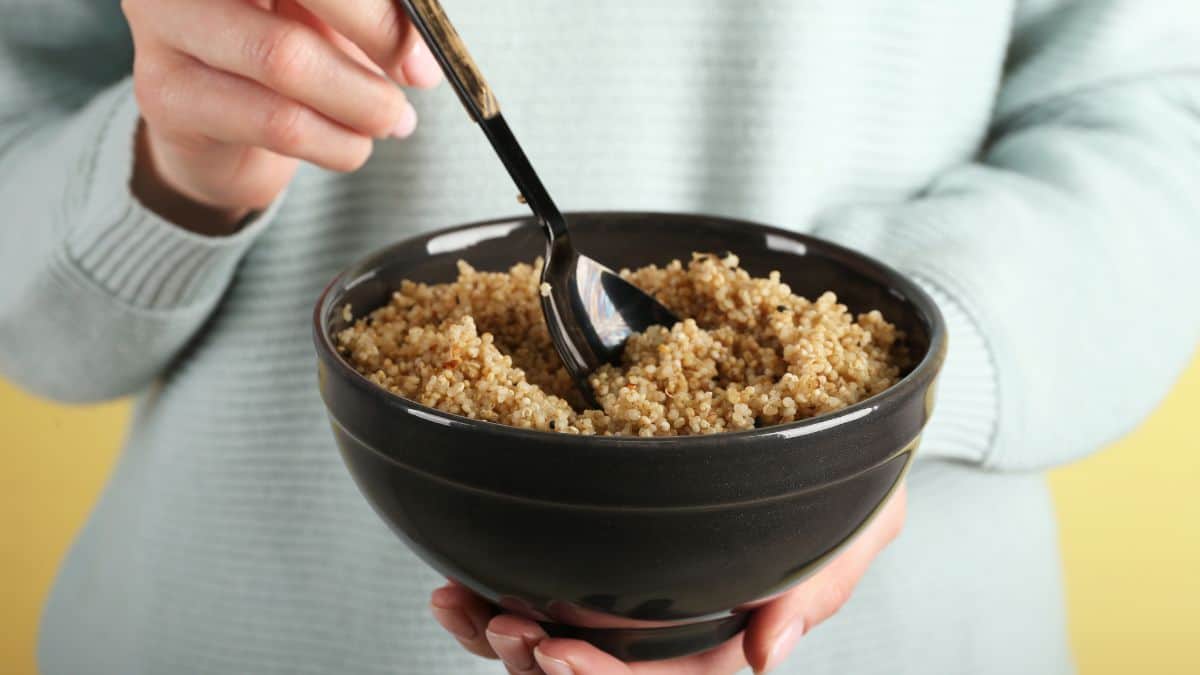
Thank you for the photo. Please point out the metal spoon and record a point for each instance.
(590, 310)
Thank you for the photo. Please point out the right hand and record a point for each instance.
(234, 93)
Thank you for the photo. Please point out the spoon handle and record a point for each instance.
(443, 40)
(477, 97)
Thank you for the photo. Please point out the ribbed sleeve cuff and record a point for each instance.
(130, 251)
(966, 413)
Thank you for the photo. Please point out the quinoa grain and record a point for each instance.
(751, 353)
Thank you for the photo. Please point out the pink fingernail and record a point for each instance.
(551, 665)
(456, 622)
(421, 69)
(784, 642)
(407, 123)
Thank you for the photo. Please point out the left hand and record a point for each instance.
(772, 633)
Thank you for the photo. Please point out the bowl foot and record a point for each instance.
(653, 644)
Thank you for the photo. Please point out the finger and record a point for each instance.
(189, 100)
(420, 68)
(575, 657)
(513, 639)
(291, 58)
(465, 616)
(775, 628)
(292, 10)
(383, 31)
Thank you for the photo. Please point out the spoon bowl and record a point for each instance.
(590, 311)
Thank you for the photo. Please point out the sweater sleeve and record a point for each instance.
(1066, 255)
(97, 293)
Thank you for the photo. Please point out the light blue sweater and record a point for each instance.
(1036, 165)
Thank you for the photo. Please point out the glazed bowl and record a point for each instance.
(646, 547)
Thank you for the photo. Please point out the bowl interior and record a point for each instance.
(810, 266)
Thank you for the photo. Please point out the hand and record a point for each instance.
(773, 630)
(233, 93)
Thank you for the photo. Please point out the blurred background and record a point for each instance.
(1129, 523)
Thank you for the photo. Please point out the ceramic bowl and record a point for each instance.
(647, 547)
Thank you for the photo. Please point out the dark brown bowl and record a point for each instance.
(647, 547)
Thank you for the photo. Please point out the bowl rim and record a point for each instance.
(926, 368)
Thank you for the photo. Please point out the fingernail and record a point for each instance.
(551, 665)
(417, 43)
(512, 650)
(782, 646)
(407, 123)
(456, 622)
(421, 69)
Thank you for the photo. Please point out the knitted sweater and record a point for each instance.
(1034, 164)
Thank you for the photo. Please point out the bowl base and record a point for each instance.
(653, 644)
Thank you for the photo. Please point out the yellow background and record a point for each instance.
(1130, 521)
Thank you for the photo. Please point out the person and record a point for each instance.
(179, 178)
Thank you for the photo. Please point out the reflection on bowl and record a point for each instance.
(647, 547)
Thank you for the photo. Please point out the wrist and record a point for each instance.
(157, 194)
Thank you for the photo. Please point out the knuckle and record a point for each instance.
(284, 128)
(284, 54)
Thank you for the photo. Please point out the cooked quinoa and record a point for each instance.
(750, 354)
